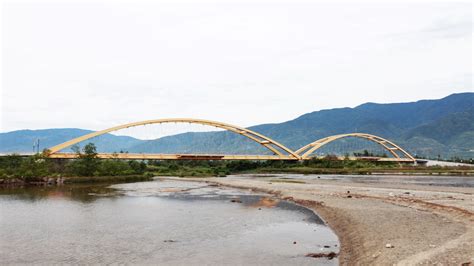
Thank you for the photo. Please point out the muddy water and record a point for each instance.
(160, 222)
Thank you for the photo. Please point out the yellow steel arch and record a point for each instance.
(305, 151)
(267, 142)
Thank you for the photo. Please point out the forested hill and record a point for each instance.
(427, 128)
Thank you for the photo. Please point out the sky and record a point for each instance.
(94, 65)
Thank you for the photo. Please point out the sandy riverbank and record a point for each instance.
(424, 224)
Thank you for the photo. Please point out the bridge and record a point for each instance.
(278, 150)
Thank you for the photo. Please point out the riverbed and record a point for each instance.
(158, 222)
(382, 220)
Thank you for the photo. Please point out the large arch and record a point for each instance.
(305, 151)
(267, 142)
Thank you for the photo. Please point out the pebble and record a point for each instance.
(391, 194)
(389, 246)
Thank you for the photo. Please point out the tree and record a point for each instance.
(11, 164)
(114, 167)
(90, 151)
(87, 162)
(137, 167)
(34, 168)
(31, 168)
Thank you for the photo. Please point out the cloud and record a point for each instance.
(449, 29)
(97, 65)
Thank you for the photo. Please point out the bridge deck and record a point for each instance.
(148, 156)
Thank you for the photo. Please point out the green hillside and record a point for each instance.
(429, 128)
(426, 128)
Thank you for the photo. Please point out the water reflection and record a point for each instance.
(160, 222)
(76, 192)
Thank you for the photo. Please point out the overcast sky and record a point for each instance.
(98, 65)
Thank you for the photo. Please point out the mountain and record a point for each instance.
(22, 140)
(428, 128)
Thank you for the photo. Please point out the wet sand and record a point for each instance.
(423, 224)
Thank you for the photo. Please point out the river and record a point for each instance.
(423, 180)
(158, 222)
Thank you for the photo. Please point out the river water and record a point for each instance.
(445, 181)
(159, 222)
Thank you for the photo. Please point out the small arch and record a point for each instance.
(305, 151)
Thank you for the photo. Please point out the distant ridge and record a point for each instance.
(429, 128)
(22, 140)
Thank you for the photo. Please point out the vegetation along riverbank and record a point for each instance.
(38, 169)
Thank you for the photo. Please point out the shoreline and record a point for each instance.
(54, 180)
(331, 171)
(373, 216)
